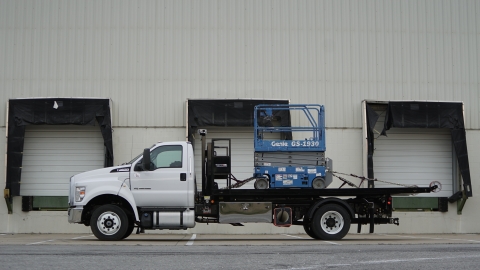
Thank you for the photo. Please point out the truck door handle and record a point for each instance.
(183, 177)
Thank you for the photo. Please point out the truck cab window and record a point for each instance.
(169, 156)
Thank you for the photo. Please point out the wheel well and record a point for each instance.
(102, 200)
(339, 202)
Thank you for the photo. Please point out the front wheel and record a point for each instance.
(261, 183)
(331, 222)
(109, 223)
(131, 226)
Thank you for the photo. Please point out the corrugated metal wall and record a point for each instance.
(150, 56)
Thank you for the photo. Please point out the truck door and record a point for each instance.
(165, 185)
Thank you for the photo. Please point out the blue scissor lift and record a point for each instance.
(297, 160)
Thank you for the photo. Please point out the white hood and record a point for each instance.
(121, 172)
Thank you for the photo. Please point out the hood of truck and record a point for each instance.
(120, 172)
(105, 176)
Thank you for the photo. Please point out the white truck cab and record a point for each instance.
(156, 189)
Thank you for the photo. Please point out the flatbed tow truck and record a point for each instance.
(158, 190)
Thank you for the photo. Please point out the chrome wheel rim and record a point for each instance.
(332, 222)
(109, 223)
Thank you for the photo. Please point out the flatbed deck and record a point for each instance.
(328, 192)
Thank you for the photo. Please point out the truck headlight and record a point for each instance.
(79, 193)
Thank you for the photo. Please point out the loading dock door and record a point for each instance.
(53, 153)
(410, 156)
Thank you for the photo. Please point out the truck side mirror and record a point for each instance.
(146, 159)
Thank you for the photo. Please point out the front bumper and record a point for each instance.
(75, 215)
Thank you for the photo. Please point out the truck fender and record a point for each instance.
(319, 203)
(126, 193)
(121, 191)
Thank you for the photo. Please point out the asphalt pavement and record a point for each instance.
(282, 251)
(156, 239)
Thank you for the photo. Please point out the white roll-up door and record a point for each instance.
(53, 153)
(414, 156)
(242, 153)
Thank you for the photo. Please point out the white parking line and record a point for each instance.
(387, 262)
(2, 234)
(293, 236)
(418, 259)
(333, 243)
(431, 238)
(40, 242)
(190, 242)
(82, 237)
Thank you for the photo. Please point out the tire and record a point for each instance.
(131, 223)
(318, 183)
(109, 223)
(307, 226)
(261, 183)
(129, 230)
(331, 222)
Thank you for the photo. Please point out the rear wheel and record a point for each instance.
(318, 183)
(109, 223)
(331, 222)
